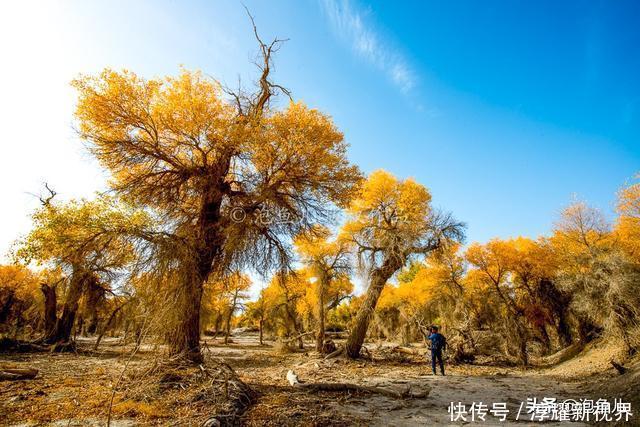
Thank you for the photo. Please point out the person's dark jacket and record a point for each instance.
(438, 342)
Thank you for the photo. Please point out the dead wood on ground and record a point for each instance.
(405, 350)
(621, 369)
(11, 374)
(336, 353)
(292, 339)
(404, 393)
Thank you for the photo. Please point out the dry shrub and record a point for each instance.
(487, 342)
(201, 393)
(284, 347)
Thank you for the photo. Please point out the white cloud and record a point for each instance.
(401, 76)
(349, 24)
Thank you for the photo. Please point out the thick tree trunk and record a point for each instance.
(94, 294)
(378, 279)
(185, 338)
(50, 307)
(64, 325)
(320, 289)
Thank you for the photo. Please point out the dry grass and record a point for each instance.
(88, 388)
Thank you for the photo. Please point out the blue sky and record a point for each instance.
(506, 110)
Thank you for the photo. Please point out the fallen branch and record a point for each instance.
(288, 340)
(336, 353)
(398, 394)
(12, 374)
(621, 369)
(8, 344)
(405, 350)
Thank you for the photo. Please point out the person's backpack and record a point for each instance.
(439, 342)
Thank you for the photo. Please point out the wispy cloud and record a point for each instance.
(349, 24)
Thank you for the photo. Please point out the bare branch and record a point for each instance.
(266, 88)
(45, 201)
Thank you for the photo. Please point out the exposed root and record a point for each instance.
(336, 353)
(64, 347)
(17, 346)
(212, 389)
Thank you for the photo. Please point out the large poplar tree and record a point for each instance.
(233, 176)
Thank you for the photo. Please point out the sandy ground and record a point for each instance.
(74, 389)
(465, 384)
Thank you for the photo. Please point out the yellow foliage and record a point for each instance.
(159, 138)
(91, 234)
(388, 213)
(627, 228)
(18, 281)
(326, 268)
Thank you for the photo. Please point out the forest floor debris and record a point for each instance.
(75, 388)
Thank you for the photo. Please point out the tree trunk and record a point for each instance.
(217, 325)
(558, 302)
(94, 294)
(320, 288)
(6, 307)
(587, 330)
(185, 337)
(64, 325)
(564, 331)
(227, 326)
(522, 343)
(297, 329)
(79, 329)
(50, 307)
(230, 316)
(260, 325)
(406, 333)
(378, 279)
(544, 338)
(107, 324)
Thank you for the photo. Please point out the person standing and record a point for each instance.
(438, 345)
